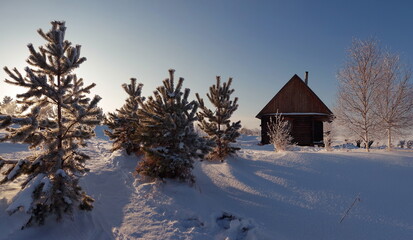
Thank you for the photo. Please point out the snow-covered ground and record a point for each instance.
(260, 194)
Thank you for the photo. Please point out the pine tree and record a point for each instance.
(166, 132)
(54, 169)
(122, 123)
(216, 122)
(7, 99)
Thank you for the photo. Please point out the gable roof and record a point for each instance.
(295, 97)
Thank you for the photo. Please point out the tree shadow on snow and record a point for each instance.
(309, 196)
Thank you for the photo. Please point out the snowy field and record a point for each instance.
(260, 194)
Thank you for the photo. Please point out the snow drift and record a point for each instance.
(259, 194)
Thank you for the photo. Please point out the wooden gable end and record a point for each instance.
(295, 97)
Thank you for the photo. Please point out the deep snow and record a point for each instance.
(259, 194)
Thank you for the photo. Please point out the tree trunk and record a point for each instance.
(367, 140)
(389, 139)
(219, 120)
(219, 141)
(59, 161)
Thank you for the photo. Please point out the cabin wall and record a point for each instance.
(302, 131)
(318, 133)
(265, 139)
(305, 130)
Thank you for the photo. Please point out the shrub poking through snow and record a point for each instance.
(122, 123)
(166, 132)
(51, 186)
(328, 135)
(409, 144)
(279, 133)
(216, 122)
(402, 143)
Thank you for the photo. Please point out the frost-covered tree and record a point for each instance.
(166, 132)
(250, 132)
(122, 123)
(9, 106)
(394, 104)
(51, 173)
(216, 122)
(279, 132)
(359, 81)
(329, 133)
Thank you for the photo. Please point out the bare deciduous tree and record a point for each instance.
(394, 106)
(358, 83)
(374, 93)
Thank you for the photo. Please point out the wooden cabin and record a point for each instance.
(304, 110)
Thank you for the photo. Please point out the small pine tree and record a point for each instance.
(7, 99)
(216, 123)
(279, 133)
(166, 132)
(51, 186)
(122, 123)
(9, 106)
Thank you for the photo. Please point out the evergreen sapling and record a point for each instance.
(122, 123)
(216, 123)
(53, 169)
(166, 132)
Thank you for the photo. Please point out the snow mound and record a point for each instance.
(24, 198)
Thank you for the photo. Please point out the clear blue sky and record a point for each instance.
(261, 44)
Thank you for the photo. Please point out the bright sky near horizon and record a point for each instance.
(261, 44)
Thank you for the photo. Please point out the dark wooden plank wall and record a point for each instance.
(305, 130)
(264, 130)
(302, 131)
